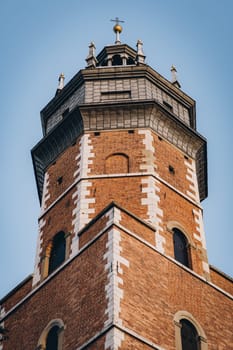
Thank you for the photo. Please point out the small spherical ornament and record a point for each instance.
(117, 28)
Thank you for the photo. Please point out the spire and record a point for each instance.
(117, 29)
(140, 58)
(174, 79)
(61, 83)
(91, 59)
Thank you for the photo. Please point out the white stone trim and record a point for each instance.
(46, 194)
(197, 237)
(148, 142)
(200, 226)
(2, 314)
(154, 213)
(191, 176)
(114, 292)
(114, 216)
(201, 234)
(205, 266)
(81, 210)
(160, 242)
(84, 157)
(37, 275)
(114, 339)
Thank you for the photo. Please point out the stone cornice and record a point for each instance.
(121, 115)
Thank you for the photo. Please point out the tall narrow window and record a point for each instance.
(180, 247)
(52, 339)
(189, 336)
(58, 251)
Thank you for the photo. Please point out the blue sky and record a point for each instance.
(41, 39)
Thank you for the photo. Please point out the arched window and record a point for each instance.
(130, 61)
(52, 339)
(58, 251)
(189, 336)
(180, 244)
(116, 60)
(52, 336)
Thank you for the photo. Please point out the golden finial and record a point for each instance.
(117, 29)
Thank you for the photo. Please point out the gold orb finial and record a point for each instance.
(117, 28)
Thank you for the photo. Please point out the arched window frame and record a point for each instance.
(41, 345)
(48, 251)
(190, 244)
(181, 315)
(117, 60)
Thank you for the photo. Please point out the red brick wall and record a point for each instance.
(126, 191)
(156, 288)
(112, 142)
(221, 281)
(64, 166)
(166, 154)
(178, 209)
(76, 295)
(17, 295)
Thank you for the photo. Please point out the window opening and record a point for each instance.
(130, 60)
(189, 336)
(180, 247)
(59, 180)
(58, 251)
(171, 169)
(52, 339)
(168, 105)
(117, 60)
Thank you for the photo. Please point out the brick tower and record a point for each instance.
(121, 260)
